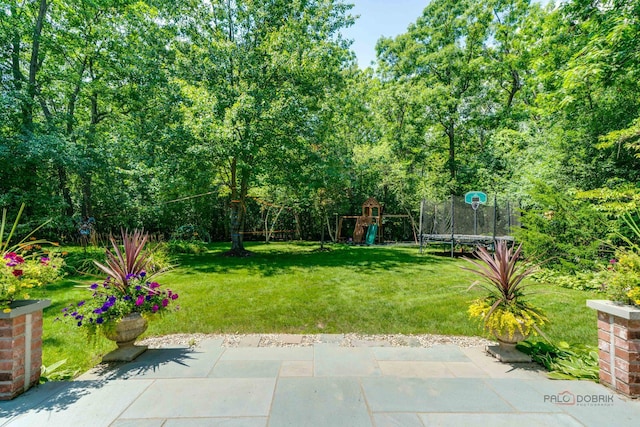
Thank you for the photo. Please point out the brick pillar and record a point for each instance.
(619, 346)
(20, 348)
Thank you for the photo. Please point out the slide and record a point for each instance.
(372, 231)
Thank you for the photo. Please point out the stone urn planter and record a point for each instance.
(619, 346)
(125, 333)
(21, 347)
(506, 351)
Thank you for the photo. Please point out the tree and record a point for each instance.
(441, 60)
(257, 74)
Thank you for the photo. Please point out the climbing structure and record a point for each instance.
(371, 219)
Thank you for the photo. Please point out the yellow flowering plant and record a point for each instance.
(623, 284)
(503, 310)
(24, 265)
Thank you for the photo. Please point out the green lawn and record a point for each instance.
(293, 288)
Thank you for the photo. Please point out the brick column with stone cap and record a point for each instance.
(21, 347)
(618, 346)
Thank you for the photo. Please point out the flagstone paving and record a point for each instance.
(323, 384)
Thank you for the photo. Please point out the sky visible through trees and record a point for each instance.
(225, 115)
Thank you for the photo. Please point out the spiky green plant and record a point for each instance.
(123, 264)
(504, 308)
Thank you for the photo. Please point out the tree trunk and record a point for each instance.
(332, 235)
(87, 208)
(237, 246)
(237, 210)
(452, 152)
(34, 65)
(64, 189)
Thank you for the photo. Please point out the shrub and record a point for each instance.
(185, 247)
(624, 285)
(567, 232)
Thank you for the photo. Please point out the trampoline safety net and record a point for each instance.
(455, 221)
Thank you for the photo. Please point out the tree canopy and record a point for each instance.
(161, 114)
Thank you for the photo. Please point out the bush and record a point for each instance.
(190, 232)
(185, 247)
(580, 280)
(567, 232)
(624, 285)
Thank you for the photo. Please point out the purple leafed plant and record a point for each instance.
(123, 264)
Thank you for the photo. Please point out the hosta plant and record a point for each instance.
(503, 308)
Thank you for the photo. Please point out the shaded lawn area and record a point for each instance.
(292, 288)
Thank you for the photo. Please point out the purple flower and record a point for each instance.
(44, 260)
(165, 302)
(99, 320)
(129, 276)
(81, 303)
(94, 286)
(154, 285)
(174, 296)
(98, 311)
(143, 273)
(138, 287)
(155, 308)
(140, 300)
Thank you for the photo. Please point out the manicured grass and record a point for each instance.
(293, 288)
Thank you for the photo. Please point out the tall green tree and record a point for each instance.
(442, 60)
(255, 75)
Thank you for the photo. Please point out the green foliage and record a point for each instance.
(185, 247)
(54, 372)
(624, 283)
(580, 280)
(569, 233)
(564, 361)
(190, 232)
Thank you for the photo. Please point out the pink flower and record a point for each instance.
(44, 260)
(13, 259)
(140, 300)
(165, 302)
(155, 308)
(17, 273)
(154, 285)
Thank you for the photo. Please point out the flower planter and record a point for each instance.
(125, 334)
(619, 346)
(506, 351)
(21, 347)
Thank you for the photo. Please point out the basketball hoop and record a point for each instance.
(475, 202)
(475, 199)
